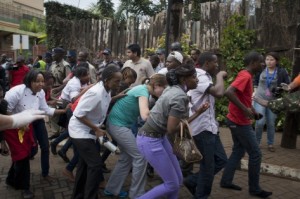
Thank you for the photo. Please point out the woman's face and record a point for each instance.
(191, 81)
(171, 63)
(270, 61)
(38, 84)
(158, 90)
(114, 82)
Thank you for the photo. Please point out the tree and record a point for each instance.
(106, 8)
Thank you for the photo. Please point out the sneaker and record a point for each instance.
(262, 194)
(53, 149)
(27, 194)
(122, 194)
(68, 174)
(63, 156)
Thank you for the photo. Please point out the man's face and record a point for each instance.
(213, 66)
(57, 57)
(172, 63)
(130, 54)
(194, 56)
(106, 57)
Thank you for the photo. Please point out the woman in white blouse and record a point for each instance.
(28, 96)
(84, 125)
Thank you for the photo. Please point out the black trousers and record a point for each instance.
(89, 173)
(19, 174)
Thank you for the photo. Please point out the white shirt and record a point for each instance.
(93, 105)
(72, 89)
(163, 71)
(205, 121)
(20, 98)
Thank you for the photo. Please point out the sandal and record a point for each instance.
(4, 149)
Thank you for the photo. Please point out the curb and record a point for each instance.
(279, 171)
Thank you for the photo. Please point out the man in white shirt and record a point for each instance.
(205, 127)
(142, 66)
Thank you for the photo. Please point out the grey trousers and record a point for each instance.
(130, 157)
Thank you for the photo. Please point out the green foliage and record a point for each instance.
(34, 25)
(236, 41)
(56, 29)
(129, 8)
(186, 44)
(106, 8)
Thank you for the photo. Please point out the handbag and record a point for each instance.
(184, 146)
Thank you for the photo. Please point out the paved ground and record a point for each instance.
(61, 188)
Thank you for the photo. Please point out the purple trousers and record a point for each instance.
(159, 153)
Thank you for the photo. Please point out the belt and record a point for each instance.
(152, 135)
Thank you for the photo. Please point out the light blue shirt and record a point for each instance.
(126, 110)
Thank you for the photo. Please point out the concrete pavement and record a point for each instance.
(287, 160)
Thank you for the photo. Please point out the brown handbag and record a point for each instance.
(184, 146)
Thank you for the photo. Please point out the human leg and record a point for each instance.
(237, 153)
(259, 124)
(90, 165)
(155, 153)
(270, 120)
(129, 157)
(41, 135)
(208, 144)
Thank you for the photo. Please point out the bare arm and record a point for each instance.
(173, 124)
(144, 107)
(218, 89)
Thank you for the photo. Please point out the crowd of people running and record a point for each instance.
(138, 104)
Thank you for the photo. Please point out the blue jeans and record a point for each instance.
(60, 138)
(41, 136)
(73, 162)
(244, 140)
(269, 117)
(214, 159)
(159, 153)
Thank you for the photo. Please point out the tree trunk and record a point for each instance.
(290, 131)
(176, 20)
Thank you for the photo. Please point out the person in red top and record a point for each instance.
(240, 118)
(18, 72)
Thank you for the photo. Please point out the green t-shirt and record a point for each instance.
(126, 110)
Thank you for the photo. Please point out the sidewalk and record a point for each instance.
(61, 188)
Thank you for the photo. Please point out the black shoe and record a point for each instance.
(231, 186)
(53, 149)
(262, 194)
(63, 156)
(27, 194)
(105, 169)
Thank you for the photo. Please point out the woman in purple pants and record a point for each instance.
(164, 119)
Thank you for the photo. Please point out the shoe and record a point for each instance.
(53, 149)
(105, 169)
(69, 175)
(63, 156)
(122, 194)
(271, 148)
(48, 178)
(231, 186)
(27, 194)
(262, 194)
